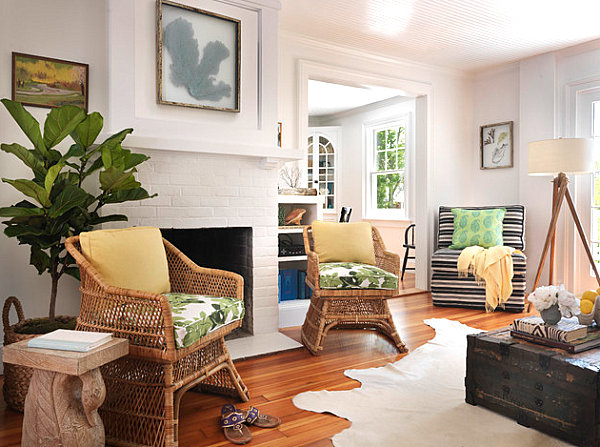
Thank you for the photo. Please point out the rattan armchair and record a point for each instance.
(144, 389)
(348, 308)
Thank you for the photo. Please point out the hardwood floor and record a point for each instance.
(274, 380)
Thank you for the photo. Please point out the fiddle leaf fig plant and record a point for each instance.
(67, 190)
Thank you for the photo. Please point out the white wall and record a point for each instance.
(63, 29)
(495, 100)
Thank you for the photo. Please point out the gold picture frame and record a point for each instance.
(188, 41)
(496, 145)
(47, 82)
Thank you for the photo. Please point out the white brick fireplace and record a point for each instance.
(210, 169)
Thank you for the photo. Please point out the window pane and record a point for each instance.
(400, 154)
(390, 191)
(323, 141)
(381, 161)
(310, 140)
(381, 140)
(391, 160)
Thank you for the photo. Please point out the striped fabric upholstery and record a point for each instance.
(513, 225)
(448, 289)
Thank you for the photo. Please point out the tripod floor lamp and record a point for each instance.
(559, 157)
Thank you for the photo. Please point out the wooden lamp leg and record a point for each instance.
(553, 242)
(562, 189)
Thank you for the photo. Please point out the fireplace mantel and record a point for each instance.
(267, 156)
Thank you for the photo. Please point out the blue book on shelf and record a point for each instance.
(301, 285)
(280, 276)
(289, 284)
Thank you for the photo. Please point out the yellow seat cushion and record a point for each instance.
(131, 258)
(344, 242)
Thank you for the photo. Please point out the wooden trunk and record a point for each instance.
(539, 387)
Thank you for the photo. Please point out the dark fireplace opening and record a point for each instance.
(220, 248)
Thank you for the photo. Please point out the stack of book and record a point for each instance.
(65, 340)
(568, 334)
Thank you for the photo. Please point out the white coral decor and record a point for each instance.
(546, 296)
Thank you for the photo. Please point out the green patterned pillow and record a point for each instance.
(477, 227)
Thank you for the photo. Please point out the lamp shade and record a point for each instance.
(568, 155)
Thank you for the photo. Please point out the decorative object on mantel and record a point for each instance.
(46, 82)
(198, 57)
(57, 204)
(66, 391)
(589, 308)
(294, 217)
(558, 158)
(553, 303)
(496, 145)
(291, 176)
(279, 133)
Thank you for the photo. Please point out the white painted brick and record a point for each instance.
(239, 221)
(265, 281)
(226, 212)
(165, 190)
(265, 221)
(227, 191)
(265, 261)
(183, 179)
(251, 212)
(265, 251)
(160, 200)
(137, 211)
(182, 212)
(204, 222)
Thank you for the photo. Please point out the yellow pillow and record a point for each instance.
(132, 258)
(344, 242)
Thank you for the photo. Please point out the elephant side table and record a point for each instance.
(66, 390)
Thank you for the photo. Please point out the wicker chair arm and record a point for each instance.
(388, 261)
(187, 277)
(312, 269)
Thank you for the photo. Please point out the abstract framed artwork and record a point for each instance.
(198, 58)
(46, 82)
(496, 144)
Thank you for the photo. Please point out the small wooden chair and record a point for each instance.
(408, 245)
(348, 308)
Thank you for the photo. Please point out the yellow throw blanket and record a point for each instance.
(492, 268)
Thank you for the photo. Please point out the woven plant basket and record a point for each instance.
(16, 378)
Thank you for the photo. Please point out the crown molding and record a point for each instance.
(372, 56)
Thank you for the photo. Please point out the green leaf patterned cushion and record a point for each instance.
(352, 275)
(477, 227)
(194, 316)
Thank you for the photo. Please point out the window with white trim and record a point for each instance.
(386, 177)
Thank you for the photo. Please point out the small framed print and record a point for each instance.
(496, 142)
(47, 82)
(198, 58)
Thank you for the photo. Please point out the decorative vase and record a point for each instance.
(551, 315)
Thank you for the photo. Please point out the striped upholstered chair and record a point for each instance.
(448, 289)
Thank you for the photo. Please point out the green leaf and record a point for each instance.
(134, 159)
(114, 179)
(109, 143)
(70, 197)
(27, 123)
(88, 130)
(74, 151)
(502, 136)
(60, 122)
(110, 218)
(97, 164)
(22, 230)
(39, 259)
(31, 189)
(128, 195)
(29, 157)
(51, 176)
(74, 272)
(15, 211)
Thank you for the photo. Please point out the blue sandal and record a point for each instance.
(232, 422)
(253, 417)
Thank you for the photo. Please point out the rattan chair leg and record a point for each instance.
(314, 325)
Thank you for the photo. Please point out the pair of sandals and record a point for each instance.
(234, 423)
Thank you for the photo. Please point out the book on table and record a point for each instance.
(565, 331)
(67, 340)
(590, 341)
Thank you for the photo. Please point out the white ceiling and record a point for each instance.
(462, 34)
(325, 98)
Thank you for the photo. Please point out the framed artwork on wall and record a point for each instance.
(198, 57)
(46, 82)
(496, 144)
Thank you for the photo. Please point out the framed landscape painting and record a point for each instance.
(496, 143)
(45, 82)
(198, 58)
